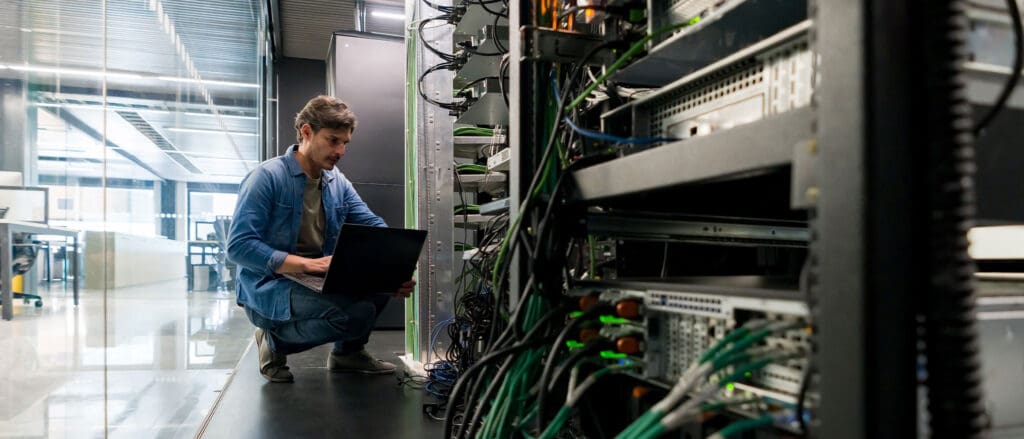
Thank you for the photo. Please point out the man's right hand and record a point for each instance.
(299, 264)
(317, 266)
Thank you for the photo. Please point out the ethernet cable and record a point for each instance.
(473, 131)
(734, 429)
(732, 349)
(576, 393)
(691, 408)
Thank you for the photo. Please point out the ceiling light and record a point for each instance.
(207, 82)
(200, 131)
(124, 75)
(116, 107)
(388, 15)
(73, 72)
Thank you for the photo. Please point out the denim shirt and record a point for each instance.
(265, 228)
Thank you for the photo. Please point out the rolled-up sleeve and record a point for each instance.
(249, 227)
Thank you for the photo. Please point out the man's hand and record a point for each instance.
(405, 290)
(299, 264)
(317, 265)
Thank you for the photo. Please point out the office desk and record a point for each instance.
(7, 230)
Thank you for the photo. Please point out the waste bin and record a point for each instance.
(201, 277)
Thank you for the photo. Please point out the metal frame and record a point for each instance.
(861, 281)
(866, 319)
(434, 186)
(754, 147)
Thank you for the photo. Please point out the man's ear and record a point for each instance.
(307, 132)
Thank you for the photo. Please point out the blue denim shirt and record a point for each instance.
(265, 228)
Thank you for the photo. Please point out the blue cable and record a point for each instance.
(441, 373)
(603, 136)
(437, 331)
(616, 139)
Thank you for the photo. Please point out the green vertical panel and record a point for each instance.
(411, 182)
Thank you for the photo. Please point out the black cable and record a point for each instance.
(419, 87)
(487, 395)
(483, 4)
(441, 8)
(472, 83)
(801, 399)
(526, 343)
(467, 378)
(475, 51)
(1018, 65)
(595, 346)
(549, 363)
(541, 169)
(513, 327)
(465, 230)
(494, 35)
(496, 381)
(423, 23)
(503, 66)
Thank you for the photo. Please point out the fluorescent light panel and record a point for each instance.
(387, 15)
(200, 131)
(139, 110)
(124, 75)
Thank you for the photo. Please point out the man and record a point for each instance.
(290, 210)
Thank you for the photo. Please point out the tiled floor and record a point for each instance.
(134, 362)
(321, 404)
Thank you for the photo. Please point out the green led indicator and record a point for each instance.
(573, 344)
(730, 386)
(575, 314)
(695, 20)
(612, 355)
(612, 320)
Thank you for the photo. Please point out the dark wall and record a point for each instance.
(367, 74)
(298, 81)
(1000, 159)
(374, 161)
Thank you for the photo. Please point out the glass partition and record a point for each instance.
(132, 123)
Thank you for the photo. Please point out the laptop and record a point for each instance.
(367, 260)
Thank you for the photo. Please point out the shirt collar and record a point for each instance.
(296, 170)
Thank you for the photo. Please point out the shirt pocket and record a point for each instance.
(282, 233)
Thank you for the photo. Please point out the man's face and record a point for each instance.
(326, 146)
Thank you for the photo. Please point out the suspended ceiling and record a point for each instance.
(307, 25)
(182, 78)
(182, 84)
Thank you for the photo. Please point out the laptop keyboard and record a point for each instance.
(311, 281)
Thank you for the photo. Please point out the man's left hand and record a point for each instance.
(405, 290)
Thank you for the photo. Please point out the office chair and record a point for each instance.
(24, 259)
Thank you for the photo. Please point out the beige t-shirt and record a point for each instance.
(311, 230)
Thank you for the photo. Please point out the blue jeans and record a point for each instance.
(322, 318)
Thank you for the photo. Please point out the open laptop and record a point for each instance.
(368, 260)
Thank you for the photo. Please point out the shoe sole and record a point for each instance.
(278, 380)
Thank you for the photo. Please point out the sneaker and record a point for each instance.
(359, 362)
(273, 367)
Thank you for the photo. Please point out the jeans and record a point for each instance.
(322, 318)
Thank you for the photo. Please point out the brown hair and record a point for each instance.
(324, 112)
